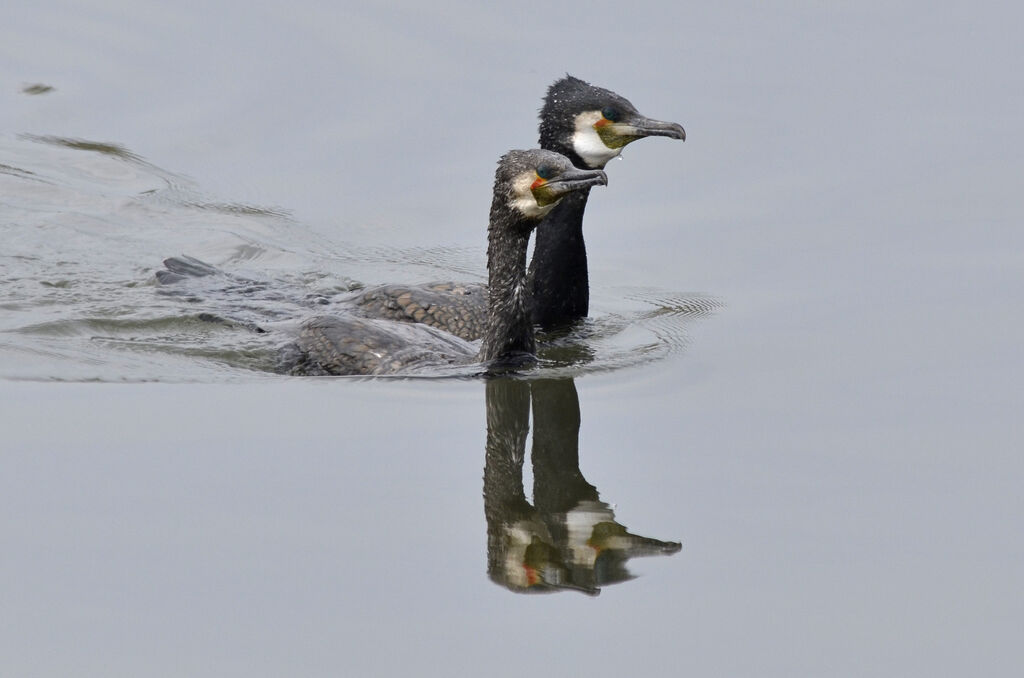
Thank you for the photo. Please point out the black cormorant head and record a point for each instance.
(532, 182)
(591, 125)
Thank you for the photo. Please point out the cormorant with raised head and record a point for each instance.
(528, 185)
(590, 126)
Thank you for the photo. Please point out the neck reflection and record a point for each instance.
(567, 539)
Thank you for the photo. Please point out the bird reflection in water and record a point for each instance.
(568, 538)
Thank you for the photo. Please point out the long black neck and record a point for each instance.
(509, 331)
(558, 282)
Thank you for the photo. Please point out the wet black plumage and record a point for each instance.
(558, 281)
(527, 185)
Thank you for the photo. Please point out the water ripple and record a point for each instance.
(87, 224)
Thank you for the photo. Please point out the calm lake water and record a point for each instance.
(785, 443)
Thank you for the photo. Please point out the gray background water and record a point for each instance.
(837, 448)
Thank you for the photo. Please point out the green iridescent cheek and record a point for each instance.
(544, 195)
(611, 139)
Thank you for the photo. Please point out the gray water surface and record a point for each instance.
(789, 428)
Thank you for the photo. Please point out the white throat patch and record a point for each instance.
(587, 142)
(523, 199)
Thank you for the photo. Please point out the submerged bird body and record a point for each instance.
(590, 126)
(527, 186)
(456, 308)
(351, 345)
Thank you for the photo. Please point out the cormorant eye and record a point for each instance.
(545, 171)
(611, 113)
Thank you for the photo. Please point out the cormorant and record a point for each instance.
(590, 126)
(527, 186)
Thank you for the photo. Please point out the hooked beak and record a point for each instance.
(618, 134)
(575, 179)
(645, 127)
